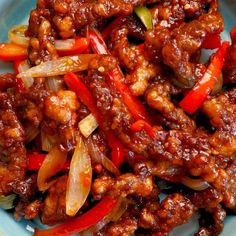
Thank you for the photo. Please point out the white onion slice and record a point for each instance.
(54, 83)
(64, 44)
(98, 157)
(88, 125)
(31, 132)
(52, 164)
(48, 141)
(195, 184)
(17, 35)
(60, 66)
(24, 66)
(79, 180)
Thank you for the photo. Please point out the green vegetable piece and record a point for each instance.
(6, 202)
(145, 16)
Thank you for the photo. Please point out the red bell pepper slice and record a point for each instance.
(212, 41)
(135, 107)
(12, 52)
(97, 43)
(83, 222)
(76, 85)
(36, 161)
(117, 153)
(143, 125)
(197, 95)
(81, 45)
(117, 78)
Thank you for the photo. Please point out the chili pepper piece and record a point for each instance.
(36, 161)
(76, 85)
(80, 45)
(83, 222)
(115, 76)
(212, 42)
(196, 96)
(117, 154)
(12, 52)
(143, 125)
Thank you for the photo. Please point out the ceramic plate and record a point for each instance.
(16, 12)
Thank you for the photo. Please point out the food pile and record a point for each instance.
(112, 124)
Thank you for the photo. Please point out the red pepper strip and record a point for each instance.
(196, 96)
(81, 45)
(143, 125)
(114, 24)
(97, 43)
(76, 85)
(141, 47)
(12, 52)
(117, 154)
(135, 107)
(36, 161)
(83, 222)
(212, 41)
(116, 77)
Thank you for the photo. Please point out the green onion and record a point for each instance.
(145, 16)
(6, 202)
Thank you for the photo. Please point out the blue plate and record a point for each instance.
(16, 12)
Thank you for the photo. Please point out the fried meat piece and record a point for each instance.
(13, 160)
(221, 111)
(54, 210)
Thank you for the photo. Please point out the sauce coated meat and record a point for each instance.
(104, 138)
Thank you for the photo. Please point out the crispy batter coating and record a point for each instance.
(193, 157)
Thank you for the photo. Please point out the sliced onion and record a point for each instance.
(88, 125)
(218, 85)
(64, 44)
(79, 180)
(52, 164)
(98, 157)
(17, 35)
(114, 216)
(195, 184)
(31, 132)
(48, 141)
(54, 83)
(60, 66)
(24, 66)
(7, 202)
